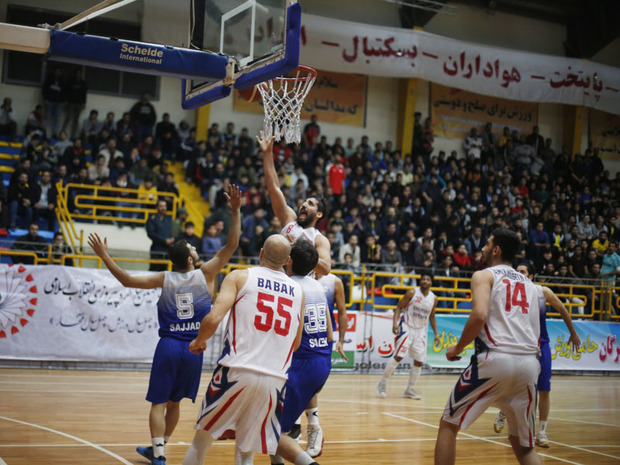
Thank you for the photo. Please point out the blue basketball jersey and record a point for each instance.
(544, 335)
(329, 285)
(185, 300)
(314, 338)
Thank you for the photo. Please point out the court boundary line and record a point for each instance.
(585, 450)
(492, 441)
(75, 438)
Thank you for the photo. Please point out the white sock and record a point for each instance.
(243, 458)
(276, 459)
(312, 414)
(158, 447)
(389, 369)
(413, 376)
(195, 455)
(543, 426)
(303, 459)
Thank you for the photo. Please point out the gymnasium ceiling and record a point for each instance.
(590, 24)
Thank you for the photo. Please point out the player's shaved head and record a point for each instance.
(275, 251)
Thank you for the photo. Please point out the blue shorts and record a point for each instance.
(306, 377)
(175, 373)
(544, 378)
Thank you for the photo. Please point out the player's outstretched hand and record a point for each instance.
(452, 355)
(395, 329)
(234, 197)
(197, 348)
(266, 145)
(340, 350)
(437, 340)
(574, 339)
(99, 247)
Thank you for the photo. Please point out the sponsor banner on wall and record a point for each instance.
(74, 314)
(454, 112)
(349, 47)
(599, 350)
(605, 134)
(334, 98)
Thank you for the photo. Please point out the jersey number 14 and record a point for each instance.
(516, 298)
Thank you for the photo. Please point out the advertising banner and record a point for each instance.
(74, 314)
(599, 350)
(334, 98)
(605, 134)
(454, 112)
(349, 47)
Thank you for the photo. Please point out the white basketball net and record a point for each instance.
(283, 99)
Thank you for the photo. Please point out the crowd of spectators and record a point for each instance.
(388, 210)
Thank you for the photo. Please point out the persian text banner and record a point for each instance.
(347, 47)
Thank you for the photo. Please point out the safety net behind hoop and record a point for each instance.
(283, 99)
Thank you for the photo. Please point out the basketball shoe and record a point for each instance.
(542, 440)
(315, 441)
(411, 394)
(500, 421)
(381, 388)
(295, 432)
(146, 452)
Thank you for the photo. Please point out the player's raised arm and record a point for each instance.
(324, 265)
(224, 302)
(402, 304)
(283, 212)
(213, 266)
(481, 284)
(100, 247)
(557, 304)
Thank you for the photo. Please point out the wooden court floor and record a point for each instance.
(88, 417)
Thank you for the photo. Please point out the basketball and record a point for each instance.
(250, 94)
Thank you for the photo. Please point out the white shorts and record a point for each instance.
(246, 402)
(502, 380)
(413, 342)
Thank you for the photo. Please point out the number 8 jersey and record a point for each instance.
(513, 322)
(185, 300)
(263, 323)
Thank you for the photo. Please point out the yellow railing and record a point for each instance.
(78, 260)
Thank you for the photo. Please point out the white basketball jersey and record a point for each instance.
(419, 309)
(263, 323)
(296, 232)
(513, 323)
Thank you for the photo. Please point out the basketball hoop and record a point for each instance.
(283, 98)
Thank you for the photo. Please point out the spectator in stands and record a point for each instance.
(473, 144)
(179, 222)
(99, 171)
(536, 141)
(141, 171)
(311, 132)
(109, 125)
(110, 152)
(211, 242)
(248, 229)
(586, 228)
(21, 199)
(170, 187)
(44, 196)
(476, 240)
(601, 244)
(60, 249)
(189, 235)
(610, 269)
(123, 182)
(159, 230)
(143, 117)
(62, 144)
(53, 98)
(76, 91)
(91, 127)
(30, 242)
(36, 121)
(8, 123)
(166, 137)
(352, 248)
